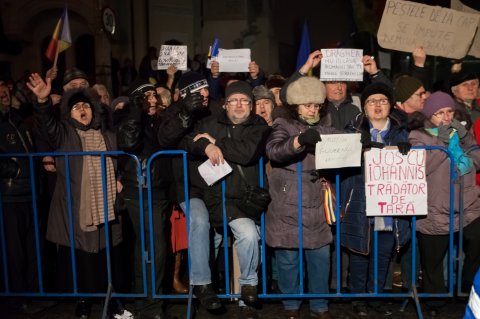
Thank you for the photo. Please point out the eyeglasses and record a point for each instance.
(311, 105)
(443, 113)
(235, 102)
(374, 102)
(81, 106)
(420, 94)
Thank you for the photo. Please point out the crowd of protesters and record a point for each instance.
(236, 118)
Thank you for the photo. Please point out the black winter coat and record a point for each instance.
(242, 144)
(15, 137)
(64, 138)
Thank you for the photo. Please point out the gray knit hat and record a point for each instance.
(239, 87)
(261, 92)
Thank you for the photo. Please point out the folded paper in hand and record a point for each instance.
(211, 173)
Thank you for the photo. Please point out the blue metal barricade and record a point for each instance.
(412, 293)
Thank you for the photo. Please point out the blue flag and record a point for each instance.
(304, 49)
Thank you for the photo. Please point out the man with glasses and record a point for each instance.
(410, 97)
(236, 136)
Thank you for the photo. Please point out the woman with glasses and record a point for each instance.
(293, 139)
(437, 126)
(377, 129)
(81, 128)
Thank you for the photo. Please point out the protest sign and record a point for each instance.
(338, 150)
(173, 55)
(395, 184)
(341, 65)
(440, 31)
(235, 60)
(475, 48)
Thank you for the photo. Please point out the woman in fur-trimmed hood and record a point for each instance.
(80, 129)
(293, 140)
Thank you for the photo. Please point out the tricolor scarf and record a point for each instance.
(463, 162)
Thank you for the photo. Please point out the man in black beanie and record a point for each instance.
(410, 97)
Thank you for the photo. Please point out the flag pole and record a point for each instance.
(56, 57)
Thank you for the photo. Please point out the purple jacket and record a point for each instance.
(437, 221)
(281, 226)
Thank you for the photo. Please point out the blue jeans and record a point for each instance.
(318, 268)
(247, 236)
(362, 267)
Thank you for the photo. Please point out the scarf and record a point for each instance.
(381, 223)
(311, 122)
(463, 162)
(92, 210)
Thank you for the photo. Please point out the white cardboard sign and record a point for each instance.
(338, 150)
(341, 65)
(235, 60)
(173, 55)
(395, 184)
(440, 31)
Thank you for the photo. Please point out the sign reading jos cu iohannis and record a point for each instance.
(395, 184)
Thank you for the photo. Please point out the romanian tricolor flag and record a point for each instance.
(61, 39)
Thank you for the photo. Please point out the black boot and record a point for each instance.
(207, 296)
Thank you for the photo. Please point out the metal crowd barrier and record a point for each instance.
(411, 294)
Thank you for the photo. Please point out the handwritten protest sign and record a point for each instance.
(235, 60)
(341, 65)
(338, 150)
(172, 55)
(395, 184)
(475, 48)
(441, 31)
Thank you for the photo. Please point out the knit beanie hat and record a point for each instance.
(275, 81)
(377, 88)
(140, 86)
(305, 90)
(405, 86)
(239, 87)
(192, 81)
(437, 101)
(261, 92)
(72, 74)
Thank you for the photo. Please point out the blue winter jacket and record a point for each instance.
(355, 228)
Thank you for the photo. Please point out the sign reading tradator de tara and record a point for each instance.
(395, 184)
(341, 65)
(175, 55)
(338, 150)
(440, 31)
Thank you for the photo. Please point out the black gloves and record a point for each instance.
(309, 137)
(404, 147)
(192, 102)
(367, 143)
(444, 133)
(461, 130)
